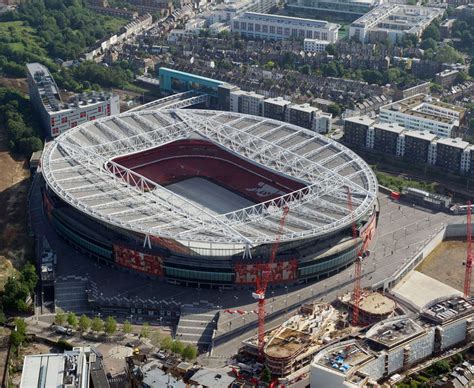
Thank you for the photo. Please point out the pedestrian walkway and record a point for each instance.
(196, 325)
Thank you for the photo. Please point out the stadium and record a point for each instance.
(195, 197)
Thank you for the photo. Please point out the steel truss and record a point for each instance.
(106, 190)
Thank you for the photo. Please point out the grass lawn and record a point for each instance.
(21, 38)
(397, 183)
(114, 24)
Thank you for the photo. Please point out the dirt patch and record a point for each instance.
(15, 244)
(447, 263)
(15, 83)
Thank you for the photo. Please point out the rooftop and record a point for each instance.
(391, 127)
(290, 19)
(372, 302)
(343, 357)
(393, 332)
(421, 135)
(457, 143)
(448, 309)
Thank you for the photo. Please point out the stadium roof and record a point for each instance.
(74, 167)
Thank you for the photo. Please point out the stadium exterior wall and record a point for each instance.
(165, 262)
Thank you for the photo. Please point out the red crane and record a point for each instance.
(468, 274)
(265, 275)
(360, 254)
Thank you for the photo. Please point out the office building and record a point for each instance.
(346, 9)
(392, 21)
(226, 11)
(314, 45)
(276, 27)
(57, 116)
(80, 367)
(424, 113)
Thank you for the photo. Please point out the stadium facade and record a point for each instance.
(195, 197)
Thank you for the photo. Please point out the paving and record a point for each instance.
(196, 325)
(402, 231)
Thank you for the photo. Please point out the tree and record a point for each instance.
(471, 69)
(177, 347)
(432, 31)
(127, 327)
(18, 335)
(429, 43)
(448, 54)
(84, 323)
(331, 49)
(145, 332)
(110, 326)
(166, 343)
(266, 374)
(97, 324)
(335, 109)
(72, 320)
(305, 69)
(441, 367)
(60, 318)
(189, 352)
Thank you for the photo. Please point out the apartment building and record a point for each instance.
(246, 102)
(424, 113)
(392, 21)
(453, 154)
(58, 116)
(416, 147)
(314, 45)
(308, 117)
(276, 27)
(386, 138)
(275, 108)
(420, 147)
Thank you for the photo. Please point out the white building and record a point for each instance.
(423, 113)
(315, 45)
(58, 116)
(225, 12)
(394, 344)
(392, 22)
(275, 27)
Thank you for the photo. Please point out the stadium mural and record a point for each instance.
(282, 271)
(138, 261)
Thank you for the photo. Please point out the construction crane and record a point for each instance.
(263, 277)
(360, 254)
(468, 273)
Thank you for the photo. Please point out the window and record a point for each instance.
(301, 34)
(316, 35)
(287, 32)
(257, 27)
(309, 34)
(74, 124)
(324, 36)
(99, 109)
(63, 120)
(265, 28)
(272, 29)
(83, 114)
(250, 27)
(294, 32)
(243, 25)
(279, 31)
(236, 25)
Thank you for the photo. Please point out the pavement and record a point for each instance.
(402, 231)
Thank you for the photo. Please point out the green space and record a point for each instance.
(46, 30)
(397, 183)
(17, 118)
